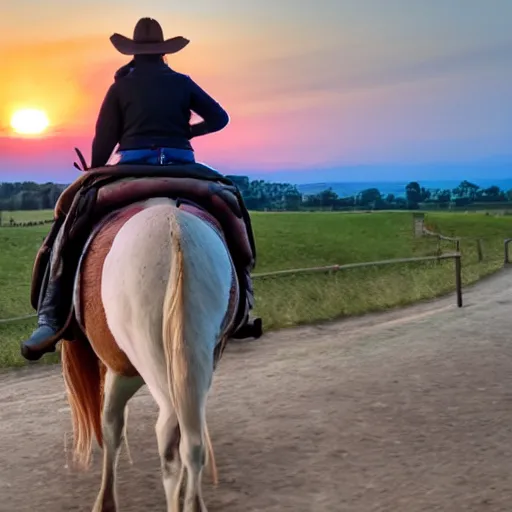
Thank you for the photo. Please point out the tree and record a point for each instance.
(345, 202)
(491, 194)
(328, 198)
(444, 196)
(292, 199)
(413, 194)
(30, 200)
(401, 203)
(466, 190)
(368, 197)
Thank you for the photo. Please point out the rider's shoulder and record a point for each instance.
(177, 75)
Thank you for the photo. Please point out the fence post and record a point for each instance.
(479, 250)
(505, 248)
(458, 280)
(418, 224)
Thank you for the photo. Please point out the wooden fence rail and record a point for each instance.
(440, 237)
(335, 268)
(457, 241)
(16, 319)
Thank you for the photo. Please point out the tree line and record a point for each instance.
(415, 197)
(262, 195)
(28, 195)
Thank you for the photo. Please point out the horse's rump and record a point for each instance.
(89, 311)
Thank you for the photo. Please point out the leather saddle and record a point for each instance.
(100, 191)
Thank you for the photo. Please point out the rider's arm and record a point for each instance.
(108, 128)
(214, 116)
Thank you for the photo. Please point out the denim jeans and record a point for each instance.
(158, 156)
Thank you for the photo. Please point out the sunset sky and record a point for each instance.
(309, 85)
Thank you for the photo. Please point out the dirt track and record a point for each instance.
(403, 412)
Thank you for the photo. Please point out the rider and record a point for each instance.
(148, 107)
(147, 112)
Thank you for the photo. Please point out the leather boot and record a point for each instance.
(249, 328)
(52, 313)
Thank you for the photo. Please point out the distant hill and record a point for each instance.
(344, 189)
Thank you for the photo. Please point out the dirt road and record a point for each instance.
(403, 412)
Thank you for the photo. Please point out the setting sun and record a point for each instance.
(29, 121)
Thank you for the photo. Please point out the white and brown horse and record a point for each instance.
(156, 297)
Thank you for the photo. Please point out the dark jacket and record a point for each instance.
(150, 106)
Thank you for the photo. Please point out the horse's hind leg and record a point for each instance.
(168, 438)
(192, 412)
(118, 390)
(193, 455)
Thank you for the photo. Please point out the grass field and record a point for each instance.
(293, 240)
(25, 216)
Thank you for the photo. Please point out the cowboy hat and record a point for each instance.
(148, 38)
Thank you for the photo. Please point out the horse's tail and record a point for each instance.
(84, 376)
(182, 359)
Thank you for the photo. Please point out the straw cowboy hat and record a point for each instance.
(148, 38)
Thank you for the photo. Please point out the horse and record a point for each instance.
(157, 291)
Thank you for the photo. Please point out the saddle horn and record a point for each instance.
(82, 161)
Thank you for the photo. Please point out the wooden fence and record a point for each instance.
(456, 256)
(456, 241)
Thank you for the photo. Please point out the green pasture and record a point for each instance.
(25, 216)
(297, 240)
